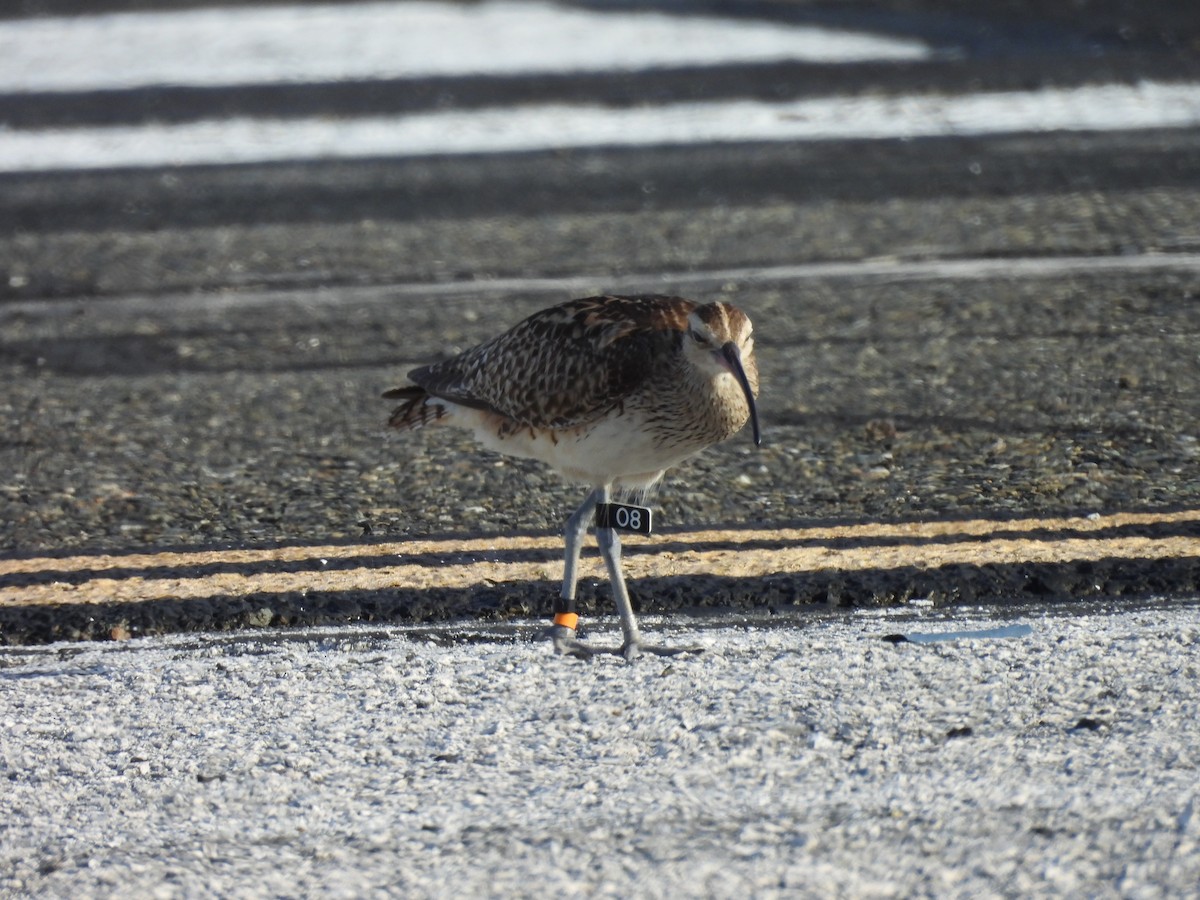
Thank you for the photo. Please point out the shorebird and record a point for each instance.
(609, 391)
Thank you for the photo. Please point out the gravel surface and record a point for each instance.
(1033, 756)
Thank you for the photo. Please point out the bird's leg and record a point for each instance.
(610, 550)
(565, 617)
(575, 533)
(562, 632)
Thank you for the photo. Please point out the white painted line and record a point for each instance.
(891, 270)
(420, 38)
(531, 128)
(976, 268)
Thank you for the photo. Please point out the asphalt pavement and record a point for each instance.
(995, 334)
(193, 356)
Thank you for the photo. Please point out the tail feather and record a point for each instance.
(418, 409)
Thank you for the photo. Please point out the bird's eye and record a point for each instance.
(698, 338)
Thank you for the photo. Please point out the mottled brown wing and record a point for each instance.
(563, 366)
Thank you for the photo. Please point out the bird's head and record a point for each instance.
(720, 340)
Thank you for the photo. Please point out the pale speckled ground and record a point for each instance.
(809, 759)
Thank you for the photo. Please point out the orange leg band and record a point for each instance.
(568, 620)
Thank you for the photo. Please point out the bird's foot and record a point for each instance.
(566, 644)
(632, 650)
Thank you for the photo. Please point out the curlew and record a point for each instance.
(609, 391)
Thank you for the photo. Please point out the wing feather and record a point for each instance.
(564, 366)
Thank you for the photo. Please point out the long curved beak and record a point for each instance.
(733, 358)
